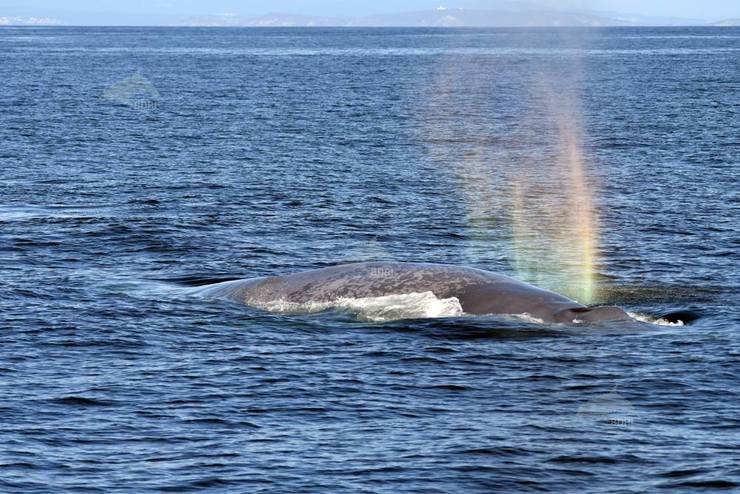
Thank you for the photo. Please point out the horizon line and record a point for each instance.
(339, 26)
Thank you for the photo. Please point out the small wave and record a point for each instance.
(21, 213)
(377, 309)
(80, 401)
(701, 484)
(196, 281)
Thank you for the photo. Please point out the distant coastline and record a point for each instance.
(28, 21)
(727, 23)
(510, 16)
(443, 17)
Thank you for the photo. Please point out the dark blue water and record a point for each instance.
(136, 163)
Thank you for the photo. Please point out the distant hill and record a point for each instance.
(498, 13)
(727, 22)
(27, 21)
(486, 18)
(268, 20)
(509, 17)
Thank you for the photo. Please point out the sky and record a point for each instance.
(154, 11)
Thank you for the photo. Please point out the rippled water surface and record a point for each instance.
(139, 163)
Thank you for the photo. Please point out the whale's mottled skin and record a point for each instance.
(479, 292)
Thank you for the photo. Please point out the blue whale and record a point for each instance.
(478, 291)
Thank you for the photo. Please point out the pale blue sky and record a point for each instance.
(154, 11)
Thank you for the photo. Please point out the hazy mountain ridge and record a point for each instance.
(502, 17)
(503, 14)
(27, 21)
(727, 22)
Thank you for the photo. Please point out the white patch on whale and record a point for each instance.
(376, 309)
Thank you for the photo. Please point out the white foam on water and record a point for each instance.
(653, 320)
(377, 309)
(22, 213)
(526, 318)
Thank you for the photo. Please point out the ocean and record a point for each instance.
(140, 163)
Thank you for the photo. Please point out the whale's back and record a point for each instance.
(372, 279)
(478, 291)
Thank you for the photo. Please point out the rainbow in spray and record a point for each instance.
(511, 129)
(555, 227)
